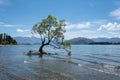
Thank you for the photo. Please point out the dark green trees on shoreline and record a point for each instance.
(7, 40)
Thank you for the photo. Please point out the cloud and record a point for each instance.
(115, 13)
(85, 25)
(21, 30)
(110, 26)
(82, 33)
(78, 26)
(2, 24)
(91, 34)
(114, 33)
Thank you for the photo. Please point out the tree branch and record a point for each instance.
(59, 47)
(55, 46)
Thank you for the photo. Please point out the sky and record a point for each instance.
(84, 18)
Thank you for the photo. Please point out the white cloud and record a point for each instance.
(36, 35)
(115, 13)
(110, 26)
(2, 24)
(78, 26)
(114, 33)
(75, 30)
(21, 30)
(91, 34)
(85, 25)
(82, 33)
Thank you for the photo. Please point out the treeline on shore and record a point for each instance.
(6, 39)
(104, 43)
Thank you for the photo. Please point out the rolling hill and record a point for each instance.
(80, 40)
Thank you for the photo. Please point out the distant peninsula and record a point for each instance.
(6, 39)
(95, 41)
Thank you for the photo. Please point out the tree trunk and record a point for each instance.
(41, 50)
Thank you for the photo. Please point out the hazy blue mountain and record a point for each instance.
(112, 40)
(27, 40)
(100, 39)
(80, 40)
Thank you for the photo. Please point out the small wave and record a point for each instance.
(104, 71)
(106, 59)
(27, 62)
(80, 65)
(108, 55)
(106, 68)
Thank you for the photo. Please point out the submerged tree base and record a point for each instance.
(30, 53)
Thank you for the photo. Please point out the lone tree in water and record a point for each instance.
(51, 33)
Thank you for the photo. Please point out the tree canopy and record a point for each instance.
(51, 32)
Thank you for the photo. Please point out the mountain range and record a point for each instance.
(27, 40)
(112, 40)
(79, 40)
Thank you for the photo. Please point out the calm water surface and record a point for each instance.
(103, 61)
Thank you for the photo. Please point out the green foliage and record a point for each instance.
(67, 44)
(6, 39)
(52, 31)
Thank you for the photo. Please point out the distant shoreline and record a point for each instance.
(97, 43)
(103, 43)
(4, 45)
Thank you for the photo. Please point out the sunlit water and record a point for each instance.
(99, 58)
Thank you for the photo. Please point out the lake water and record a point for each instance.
(88, 62)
